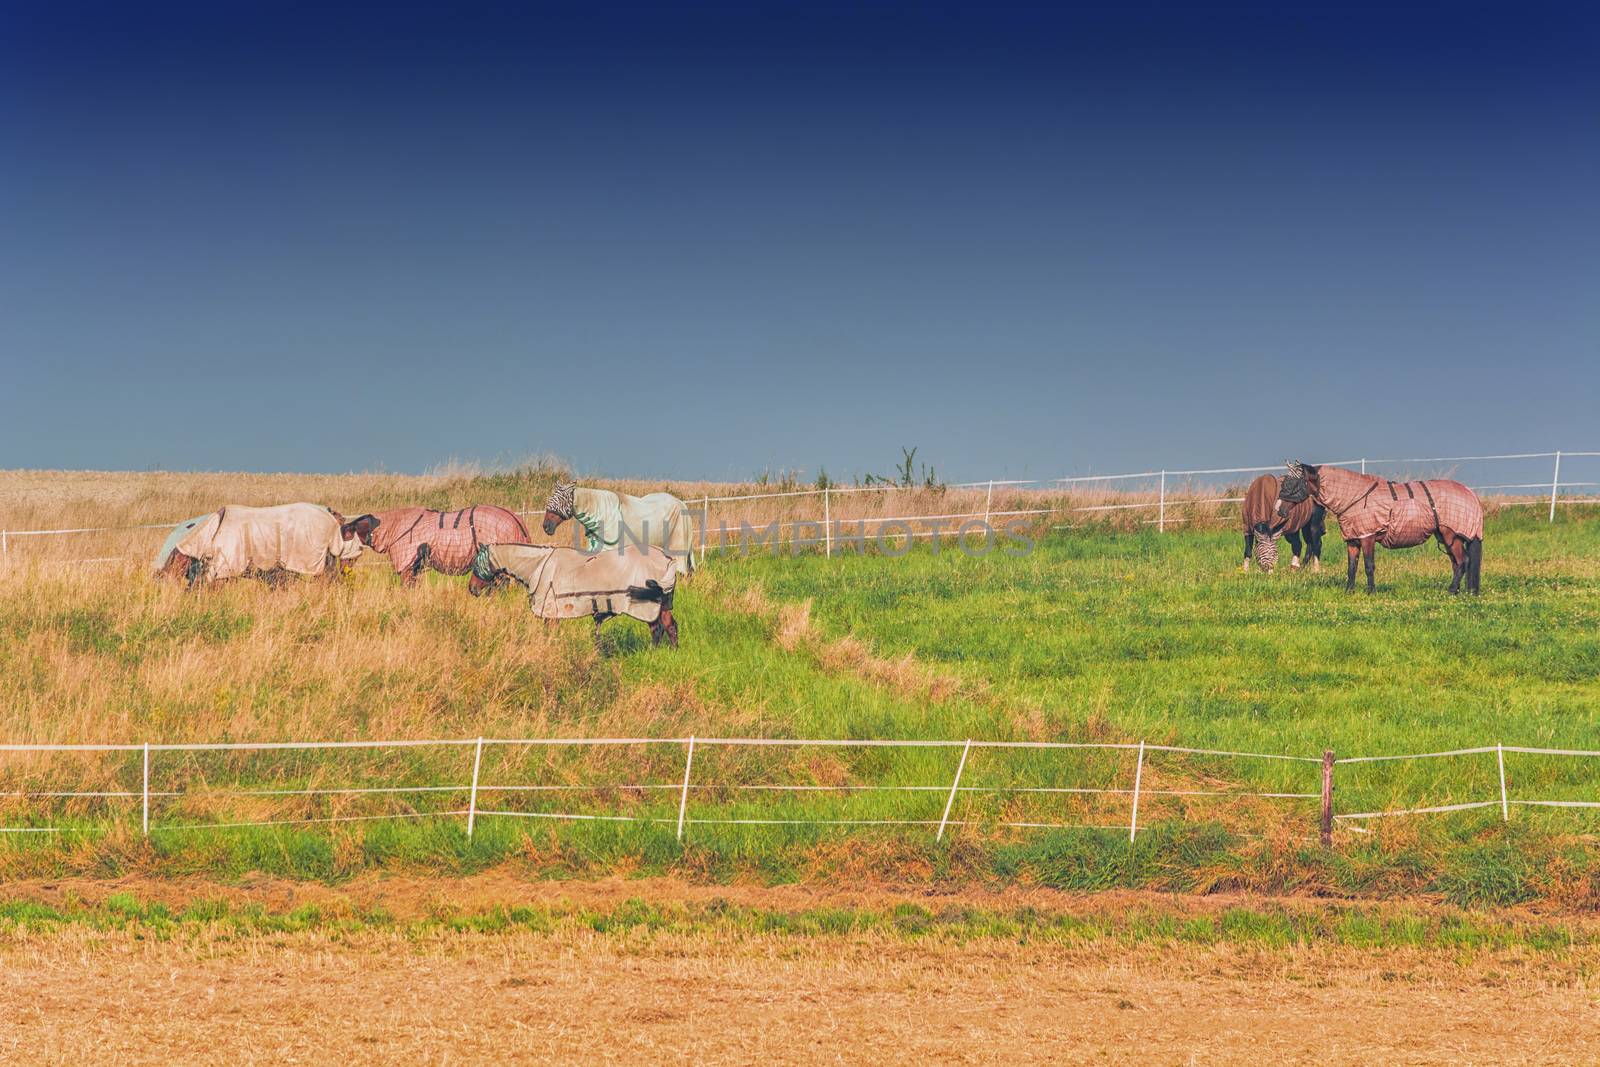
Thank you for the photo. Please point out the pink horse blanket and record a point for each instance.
(450, 537)
(1399, 514)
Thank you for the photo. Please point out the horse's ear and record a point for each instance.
(1296, 468)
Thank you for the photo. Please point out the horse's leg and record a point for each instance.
(418, 564)
(1294, 546)
(1369, 546)
(1453, 547)
(1474, 564)
(669, 627)
(1314, 550)
(1249, 544)
(1352, 550)
(598, 619)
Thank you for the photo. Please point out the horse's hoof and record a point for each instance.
(1294, 564)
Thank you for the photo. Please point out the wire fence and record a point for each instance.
(835, 516)
(170, 802)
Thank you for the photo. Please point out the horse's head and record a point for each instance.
(360, 528)
(484, 574)
(559, 506)
(1302, 482)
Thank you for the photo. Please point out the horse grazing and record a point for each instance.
(236, 541)
(1373, 511)
(447, 541)
(564, 583)
(1263, 526)
(168, 563)
(606, 517)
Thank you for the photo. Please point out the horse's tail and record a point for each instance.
(651, 590)
(687, 534)
(1474, 562)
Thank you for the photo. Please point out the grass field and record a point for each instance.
(1100, 635)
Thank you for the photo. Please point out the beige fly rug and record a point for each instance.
(299, 538)
(564, 583)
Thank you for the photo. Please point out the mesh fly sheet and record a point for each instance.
(451, 538)
(299, 538)
(1399, 514)
(564, 583)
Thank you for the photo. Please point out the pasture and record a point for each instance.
(1100, 635)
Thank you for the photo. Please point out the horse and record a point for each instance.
(564, 583)
(1263, 526)
(447, 541)
(1373, 511)
(607, 517)
(236, 541)
(168, 565)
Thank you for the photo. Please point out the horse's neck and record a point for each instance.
(522, 562)
(594, 508)
(1339, 488)
(393, 525)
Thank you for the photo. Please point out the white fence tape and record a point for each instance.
(686, 817)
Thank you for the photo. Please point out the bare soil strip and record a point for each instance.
(574, 996)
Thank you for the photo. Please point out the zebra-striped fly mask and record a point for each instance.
(561, 499)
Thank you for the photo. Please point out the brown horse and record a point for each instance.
(1372, 511)
(1260, 518)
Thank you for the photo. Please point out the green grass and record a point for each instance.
(1265, 927)
(1095, 636)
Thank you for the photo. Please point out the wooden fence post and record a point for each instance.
(1327, 798)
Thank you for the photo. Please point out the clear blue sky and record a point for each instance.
(686, 240)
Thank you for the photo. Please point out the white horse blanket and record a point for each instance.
(299, 538)
(564, 583)
(656, 519)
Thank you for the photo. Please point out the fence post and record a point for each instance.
(1363, 464)
(472, 801)
(683, 797)
(944, 819)
(1327, 798)
(1555, 482)
(5, 543)
(145, 807)
(1161, 515)
(705, 520)
(827, 525)
(988, 502)
(1138, 776)
(1505, 804)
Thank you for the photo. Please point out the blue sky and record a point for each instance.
(676, 241)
